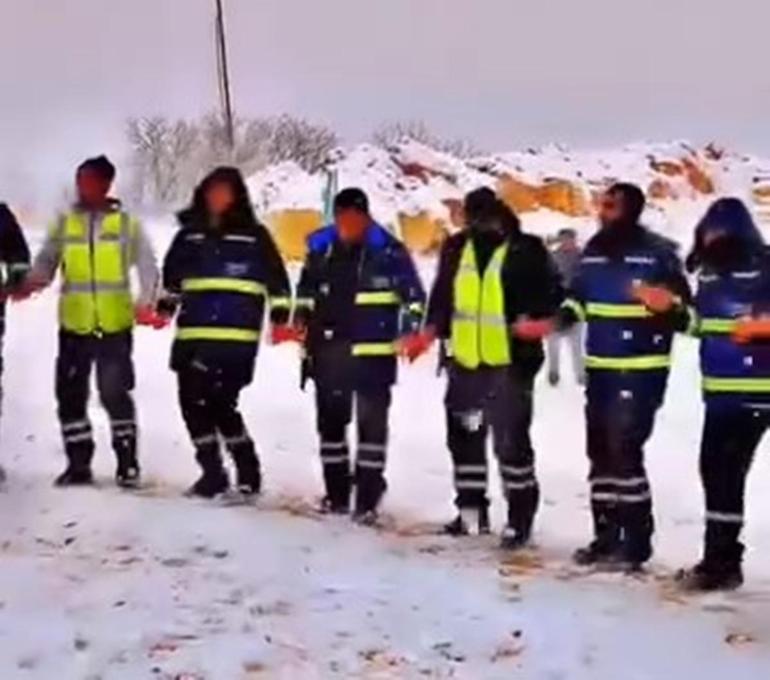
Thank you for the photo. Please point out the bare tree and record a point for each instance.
(398, 132)
(163, 153)
(301, 141)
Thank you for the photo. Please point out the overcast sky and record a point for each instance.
(507, 73)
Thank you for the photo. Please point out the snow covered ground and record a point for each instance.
(103, 584)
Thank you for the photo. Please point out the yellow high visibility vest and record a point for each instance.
(480, 333)
(96, 288)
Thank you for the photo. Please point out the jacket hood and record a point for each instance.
(731, 217)
(240, 217)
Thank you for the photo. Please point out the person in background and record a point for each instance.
(493, 298)
(14, 267)
(221, 272)
(566, 255)
(95, 246)
(360, 303)
(631, 291)
(732, 307)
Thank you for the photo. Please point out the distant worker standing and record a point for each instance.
(95, 246)
(732, 319)
(361, 303)
(14, 267)
(494, 295)
(631, 291)
(222, 271)
(566, 255)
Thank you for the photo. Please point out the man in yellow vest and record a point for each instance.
(495, 288)
(95, 247)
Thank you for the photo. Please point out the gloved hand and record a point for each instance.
(657, 299)
(531, 330)
(26, 288)
(413, 346)
(750, 329)
(147, 316)
(286, 333)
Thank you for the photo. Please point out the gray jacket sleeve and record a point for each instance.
(48, 258)
(143, 258)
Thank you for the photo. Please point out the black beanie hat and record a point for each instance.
(100, 165)
(351, 199)
(481, 203)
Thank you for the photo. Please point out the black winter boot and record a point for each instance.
(214, 480)
(249, 476)
(711, 576)
(606, 547)
(469, 520)
(75, 476)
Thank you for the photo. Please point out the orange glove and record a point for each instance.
(147, 316)
(531, 330)
(285, 333)
(748, 330)
(658, 300)
(413, 346)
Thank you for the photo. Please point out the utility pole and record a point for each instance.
(224, 75)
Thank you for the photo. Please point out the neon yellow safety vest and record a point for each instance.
(96, 288)
(480, 333)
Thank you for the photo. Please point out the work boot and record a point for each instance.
(128, 475)
(366, 518)
(75, 476)
(707, 577)
(210, 484)
(601, 551)
(514, 538)
(335, 506)
(248, 475)
(554, 379)
(214, 480)
(370, 488)
(467, 521)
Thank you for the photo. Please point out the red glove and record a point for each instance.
(748, 330)
(147, 316)
(531, 330)
(285, 333)
(658, 300)
(26, 289)
(413, 346)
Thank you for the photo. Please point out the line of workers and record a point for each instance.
(360, 305)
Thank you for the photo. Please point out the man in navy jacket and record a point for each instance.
(358, 297)
(631, 291)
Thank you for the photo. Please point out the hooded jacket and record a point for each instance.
(239, 250)
(733, 286)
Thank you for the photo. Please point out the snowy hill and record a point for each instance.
(549, 187)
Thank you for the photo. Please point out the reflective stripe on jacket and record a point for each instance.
(733, 373)
(480, 332)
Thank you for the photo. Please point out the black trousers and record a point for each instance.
(621, 502)
(111, 356)
(730, 440)
(209, 405)
(500, 400)
(335, 407)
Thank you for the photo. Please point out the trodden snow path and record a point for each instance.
(100, 584)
